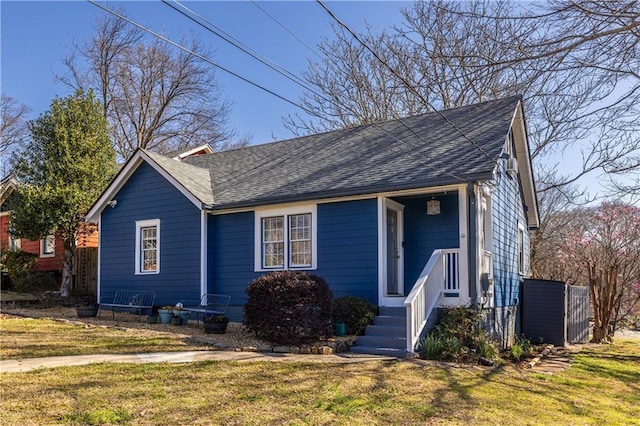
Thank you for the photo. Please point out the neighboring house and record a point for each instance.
(50, 250)
(411, 214)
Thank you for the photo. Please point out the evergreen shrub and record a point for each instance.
(289, 307)
(355, 312)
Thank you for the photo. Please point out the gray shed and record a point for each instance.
(554, 312)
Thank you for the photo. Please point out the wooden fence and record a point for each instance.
(85, 272)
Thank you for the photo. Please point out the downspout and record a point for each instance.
(472, 244)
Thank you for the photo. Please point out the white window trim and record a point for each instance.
(43, 243)
(259, 214)
(138, 250)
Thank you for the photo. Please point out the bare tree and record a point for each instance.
(576, 63)
(13, 128)
(154, 97)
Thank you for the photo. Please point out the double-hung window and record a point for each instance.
(147, 246)
(285, 239)
(48, 246)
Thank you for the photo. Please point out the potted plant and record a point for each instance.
(87, 309)
(215, 324)
(165, 313)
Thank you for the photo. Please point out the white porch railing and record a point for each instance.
(440, 275)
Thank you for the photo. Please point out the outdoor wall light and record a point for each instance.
(433, 207)
(112, 203)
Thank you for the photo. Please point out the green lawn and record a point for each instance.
(601, 387)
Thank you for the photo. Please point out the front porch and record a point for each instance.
(426, 259)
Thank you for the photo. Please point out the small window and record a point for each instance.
(285, 239)
(148, 246)
(48, 246)
(15, 244)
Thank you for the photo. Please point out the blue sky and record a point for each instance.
(35, 37)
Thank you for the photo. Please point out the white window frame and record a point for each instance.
(285, 213)
(49, 239)
(140, 224)
(15, 243)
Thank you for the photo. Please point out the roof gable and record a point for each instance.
(193, 182)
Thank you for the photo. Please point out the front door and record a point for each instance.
(392, 253)
(392, 274)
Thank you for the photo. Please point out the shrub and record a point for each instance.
(21, 268)
(430, 347)
(355, 312)
(289, 307)
(458, 337)
(522, 348)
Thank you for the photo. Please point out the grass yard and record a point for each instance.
(602, 387)
(33, 338)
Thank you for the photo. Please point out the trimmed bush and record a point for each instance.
(289, 307)
(355, 312)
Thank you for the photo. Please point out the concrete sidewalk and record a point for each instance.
(28, 364)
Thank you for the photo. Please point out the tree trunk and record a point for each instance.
(604, 297)
(67, 269)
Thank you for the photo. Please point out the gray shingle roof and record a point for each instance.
(194, 179)
(379, 157)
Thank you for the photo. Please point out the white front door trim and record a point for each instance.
(383, 299)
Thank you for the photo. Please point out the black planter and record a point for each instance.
(86, 311)
(215, 327)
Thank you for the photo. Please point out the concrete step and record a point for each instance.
(392, 311)
(397, 353)
(390, 321)
(385, 331)
(385, 342)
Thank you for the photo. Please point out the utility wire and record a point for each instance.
(287, 29)
(378, 125)
(400, 77)
(207, 60)
(212, 28)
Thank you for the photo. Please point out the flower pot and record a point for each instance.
(339, 329)
(175, 321)
(165, 316)
(215, 327)
(86, 311)
(184, 317)
(152, 319)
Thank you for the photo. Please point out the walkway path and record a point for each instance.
(28, 364)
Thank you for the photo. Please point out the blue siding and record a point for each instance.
(423, 233)
(346, 243)
(231, 251)
(147, 195)
(507, 212)
(348, 248)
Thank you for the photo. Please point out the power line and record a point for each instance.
(287, 29)
(400, 77)
(203, 58)
(212, 28)
(310, 112)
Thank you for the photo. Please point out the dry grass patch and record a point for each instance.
(32, 338)
(602, 387)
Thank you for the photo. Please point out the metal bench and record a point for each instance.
(213, 304)
(132, 300)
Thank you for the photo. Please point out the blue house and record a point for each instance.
(412, 214)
